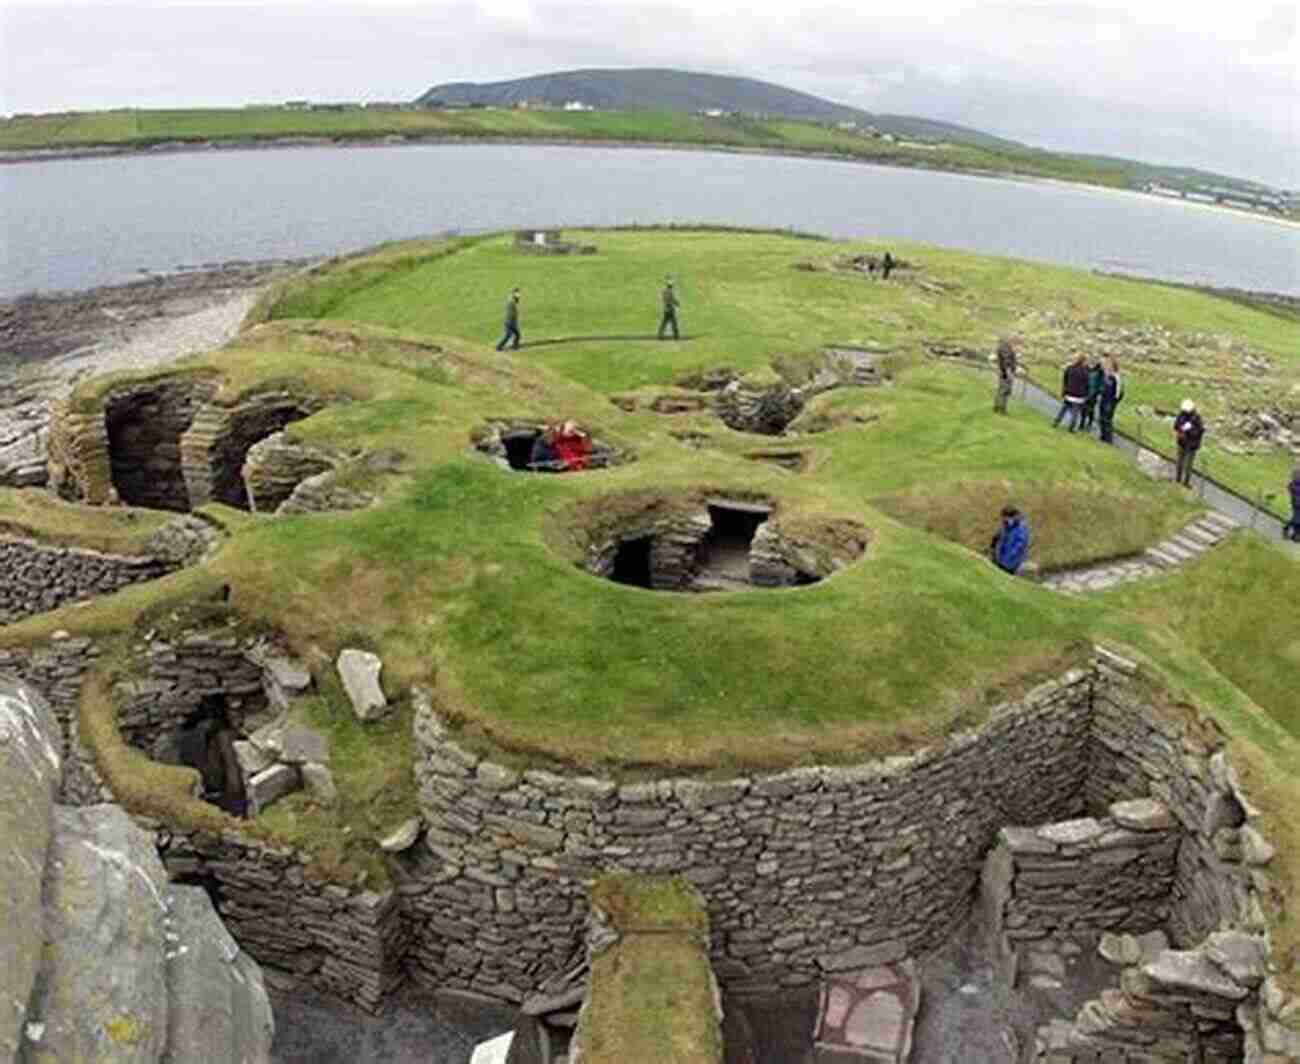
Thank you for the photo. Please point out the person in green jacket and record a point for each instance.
(512, 321)
(670, 311)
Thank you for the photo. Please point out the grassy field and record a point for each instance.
(146, 128)
(465, 577)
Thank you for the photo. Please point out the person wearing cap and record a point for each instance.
(1189, 430)
(1006, 373)
(1292, 530)
(512, 321)
(670, 310)
(1009, 547)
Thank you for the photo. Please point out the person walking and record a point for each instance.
(1009, 547)
(887, 265)
(1096, 378)
(1189, 431)
(1292, 530)
(512, 321)
(1006, 373)
(670, 310)
(1112, 391)
(1074, 392)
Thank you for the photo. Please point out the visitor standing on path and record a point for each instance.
(887, 265)
(1074, 392)
(1011, 544)
(1006, 373)
(670, 310)
(512, 321)
(1293, 529)
(1096, 378)
(1112, 391)
(1189, 430)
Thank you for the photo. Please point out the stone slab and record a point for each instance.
(359, 670)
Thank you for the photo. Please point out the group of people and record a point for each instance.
(562, 448)
(667, 320)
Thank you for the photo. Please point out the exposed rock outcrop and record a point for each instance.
(102, 959)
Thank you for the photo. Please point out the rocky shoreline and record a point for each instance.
(50, 342)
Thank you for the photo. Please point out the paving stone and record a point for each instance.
(1142, 814)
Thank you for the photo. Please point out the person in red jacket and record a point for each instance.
(572, 446)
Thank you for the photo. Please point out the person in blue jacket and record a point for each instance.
(1011, 544)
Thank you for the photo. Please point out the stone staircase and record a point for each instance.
(1191, 542)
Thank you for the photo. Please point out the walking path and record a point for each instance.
(1193, 541)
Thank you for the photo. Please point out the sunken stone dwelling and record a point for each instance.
(678, 718)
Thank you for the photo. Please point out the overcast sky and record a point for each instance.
(1216, 86)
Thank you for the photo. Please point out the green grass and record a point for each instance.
(41, 516)
(659, 968)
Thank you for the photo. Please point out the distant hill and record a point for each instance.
(681, 90)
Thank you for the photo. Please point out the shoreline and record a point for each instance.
(21, 156)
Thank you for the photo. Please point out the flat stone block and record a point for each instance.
(359, 671)
(1071, 832)
(271, 785)
(1142, 814)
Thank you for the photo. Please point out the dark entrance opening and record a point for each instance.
(205, 741)
(144, 445)
(519, 447)
(632, 562)
(724, 553)
(246, 428)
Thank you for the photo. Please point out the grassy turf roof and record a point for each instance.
(463, 575)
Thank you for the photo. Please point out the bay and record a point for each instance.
(76, 223)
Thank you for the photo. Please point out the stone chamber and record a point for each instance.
(698, 542)
(1081, 816)
(171, 444)
(512, 442)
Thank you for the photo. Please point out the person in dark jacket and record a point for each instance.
(512, 321)
(886, 266)
(1006, 373)
(1189, 431)
(1096, 378)
(1074, 392)
(670, 311)
(1011, 543)
(1293, 529)
(1112, 391)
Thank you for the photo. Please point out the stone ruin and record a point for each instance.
(549, 242)
(169, 444)
(717, 543)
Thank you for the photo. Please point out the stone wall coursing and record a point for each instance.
(168, 679)
(1081, 877)
(215, 446)
(77, 455)
(57, 670)
(38, 577)
(274, 467)
(803, 870)
(145, 423)
(1136, 751)
(346, 943)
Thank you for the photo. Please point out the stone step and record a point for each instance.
(1161, 559)
(1170, 547)
(1189, 544)
(1204, 535)
(1220, 521)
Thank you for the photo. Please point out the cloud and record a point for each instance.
(1155, 80)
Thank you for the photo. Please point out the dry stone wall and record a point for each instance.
(37, 577)
(808, 870)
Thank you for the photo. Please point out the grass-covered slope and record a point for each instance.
(466, 577)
